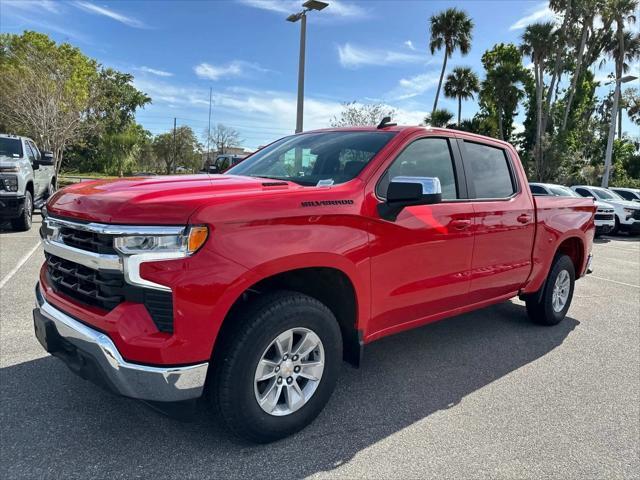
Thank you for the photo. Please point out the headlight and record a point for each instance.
(9, 183)
(187, 243)
(629, 211)
(14, 169)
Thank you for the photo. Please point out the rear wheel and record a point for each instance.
(278, 367)
(23, 222)
(551, 306)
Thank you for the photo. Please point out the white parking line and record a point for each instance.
(22, 261)
(613, 281)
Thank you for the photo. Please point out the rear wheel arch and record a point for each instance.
(573, 247)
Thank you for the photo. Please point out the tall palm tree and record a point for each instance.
(621, 11)
(537, 43)
(585, 13)
(462, 83)
(450, 30)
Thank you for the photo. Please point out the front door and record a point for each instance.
(420, 262)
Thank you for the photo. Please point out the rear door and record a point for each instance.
(504, 220)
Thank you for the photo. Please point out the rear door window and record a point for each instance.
(489, 172)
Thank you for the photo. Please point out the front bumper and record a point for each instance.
(11, 206)
(92, 355)
(633, 227)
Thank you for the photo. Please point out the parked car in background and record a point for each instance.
(605, 213)
(224, 162)
(254, 285)
(632, 194)
(27, 179)
(627, 213)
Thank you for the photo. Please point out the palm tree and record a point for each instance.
(462, 83)
(438, 118)
(537, 41)
(450, 30)
(586, 11)
(620, 11)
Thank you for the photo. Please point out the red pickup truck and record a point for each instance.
(251, 287)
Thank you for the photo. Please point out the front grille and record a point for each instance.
(636, 215)
(604, 216)
(103, 290)
(107, 290)
(85, 240)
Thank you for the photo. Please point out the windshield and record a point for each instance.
(11, 147)
(330, 157)
(563, 192)
(607, 195)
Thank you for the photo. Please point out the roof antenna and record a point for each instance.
(386, 122)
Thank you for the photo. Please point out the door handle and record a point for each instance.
(524, 218)
(461, 224)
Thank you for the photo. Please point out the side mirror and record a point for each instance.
(408, 191)
(213, 169)
(47, 159)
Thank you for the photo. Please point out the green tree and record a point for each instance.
(620, 11)
(585, 13)
(502, 88)
(178, 149)
(451, 30)
(537, 44)
(361, 114)
(48, 90)
(438, 118)
(461, 84)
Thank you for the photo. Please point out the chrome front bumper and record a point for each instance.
(92, 355)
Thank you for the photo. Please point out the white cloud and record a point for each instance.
(541, 12)
(154, 71)
(236, 68)
(33, 5)
(105, 12)
(414, 86)
(261, 116)
(410, 45)
(336, 8)
(354, 57)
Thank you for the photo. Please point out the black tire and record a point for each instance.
(236, 359)
(51, 189)
(540, 306)
(23, 222)
(616, 228)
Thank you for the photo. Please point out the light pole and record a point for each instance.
(612, 128)
(294, 17)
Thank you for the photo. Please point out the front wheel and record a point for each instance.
(23, 222)
(277, 367)
(552, 305)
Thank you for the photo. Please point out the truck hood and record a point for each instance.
(162, 200)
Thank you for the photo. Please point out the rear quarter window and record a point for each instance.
(490, 171)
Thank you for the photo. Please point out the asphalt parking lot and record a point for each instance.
(482, 395)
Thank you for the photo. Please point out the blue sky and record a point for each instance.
(365, 51)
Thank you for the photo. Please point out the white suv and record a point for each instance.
(627, 212)
(632, 194)
(605, 214)
(27, 179)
